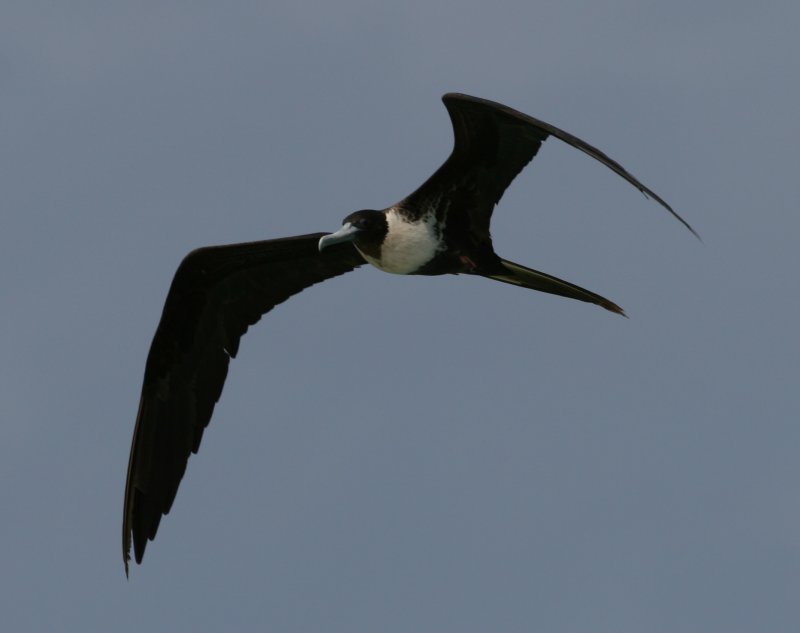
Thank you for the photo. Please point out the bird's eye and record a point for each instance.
(362, 223)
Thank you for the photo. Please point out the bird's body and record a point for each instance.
(409, 246)
(218, 292)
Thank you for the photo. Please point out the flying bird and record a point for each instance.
(218, 292)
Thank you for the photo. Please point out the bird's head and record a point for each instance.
(366, 229)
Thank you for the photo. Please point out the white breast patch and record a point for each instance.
(408, 245)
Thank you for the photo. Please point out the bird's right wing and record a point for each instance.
(217, 293)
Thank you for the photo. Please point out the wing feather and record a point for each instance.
(493, 143)
(216, 295)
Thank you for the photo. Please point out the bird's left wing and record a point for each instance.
(493, 143)
(217, 293)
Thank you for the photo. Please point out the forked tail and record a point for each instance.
(533, 279)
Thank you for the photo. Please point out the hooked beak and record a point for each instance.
(345, 234)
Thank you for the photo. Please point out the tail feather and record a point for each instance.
(535, 280)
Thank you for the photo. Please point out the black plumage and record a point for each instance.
(219, 292)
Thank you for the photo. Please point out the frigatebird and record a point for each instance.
(218, 292)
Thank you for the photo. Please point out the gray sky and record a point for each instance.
(408, 454)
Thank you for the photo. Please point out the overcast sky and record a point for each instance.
(392, 453)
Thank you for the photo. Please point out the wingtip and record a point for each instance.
(696, 234)
(686, 224)
(648, 193)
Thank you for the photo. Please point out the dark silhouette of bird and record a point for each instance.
(220, 291)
